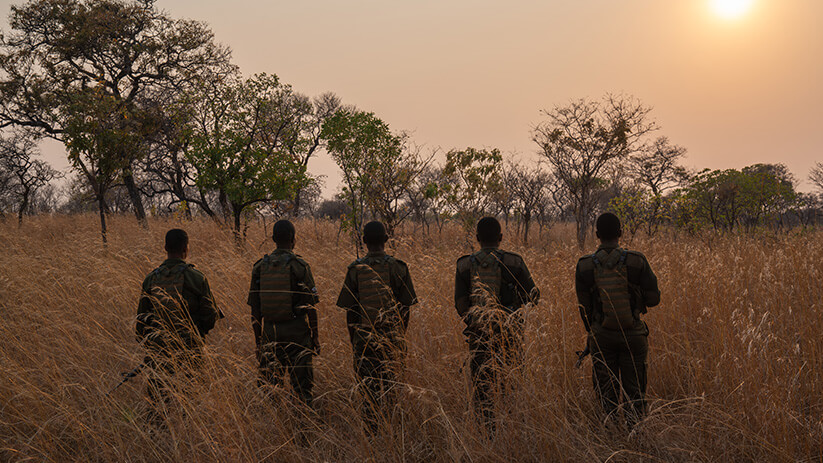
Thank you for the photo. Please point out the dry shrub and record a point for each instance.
(735, 355)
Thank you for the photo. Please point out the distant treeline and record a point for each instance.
(156, 119)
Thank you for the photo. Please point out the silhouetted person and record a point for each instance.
(282, 297)
(491, 286)
(614, 287)
(175, 312)
(377, 294)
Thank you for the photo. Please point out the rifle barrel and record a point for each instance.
(126, 377)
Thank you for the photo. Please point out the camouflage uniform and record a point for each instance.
(619, 350)
(175, 311)
(489, 303)
(283, 331)
(377, 294)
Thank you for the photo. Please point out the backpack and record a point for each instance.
(276, 295)
(375, 285)
(486, 279)
(611, 280)
(166, 295)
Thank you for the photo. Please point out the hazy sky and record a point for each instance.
(457, 73)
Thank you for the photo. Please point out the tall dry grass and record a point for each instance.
(736, 361)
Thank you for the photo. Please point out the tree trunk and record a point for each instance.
(224, 205)
(296, 204)
(136, 199)
(23, 206)
(526, 221)
(582, 227)
(238, 212)
(102, 206)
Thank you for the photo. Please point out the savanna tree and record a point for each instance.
(303, 142)
(816, 176)
(768, 191)
(656, 166)
(22, 176)
(378, 167)
(527, 186)
(472, 178)
(729, 198)
(583, 140)
(61, 54)
(238, 148)
(100, 135)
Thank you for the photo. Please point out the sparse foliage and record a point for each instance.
(473, 176)
(22, 176)
(527, 186)
(816, 176)
(583, 140)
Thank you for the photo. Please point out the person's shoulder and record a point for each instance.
(585, 262)
(395, 261)
(258, 263)
(356, 262)
(635, 258)
(194, 276)
(149, 277)
(464, 263)
(297, 258)
(191, 270)
(300, 265)
(512, 259)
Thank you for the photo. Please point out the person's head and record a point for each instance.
(375, 236)
(489, 232)
(177, 243)
(283, 234)
(608, 227)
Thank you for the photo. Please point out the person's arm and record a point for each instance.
(208, 311)
(352, 320)
(407, 295)
(584, 296)
(462, 292)
(254, 303)
(527, 286)
(348, 300)
(311, 311)
(648, 285)
(144, 306)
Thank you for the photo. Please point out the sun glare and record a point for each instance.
(731, 9)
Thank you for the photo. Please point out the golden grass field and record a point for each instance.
(736, 354)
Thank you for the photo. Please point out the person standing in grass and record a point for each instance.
(282, 297)
(490, 288)
(175, 312)
(377, 294)
(614, 287)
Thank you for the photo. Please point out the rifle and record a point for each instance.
(582, 354)
(127, 376)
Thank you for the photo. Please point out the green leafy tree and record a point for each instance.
(63, 53)
(378, 167)
(768, 190)
(727, 199)
(473, 177)
(238, 147)
(100, 134)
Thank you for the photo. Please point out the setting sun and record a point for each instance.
(731, 9)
